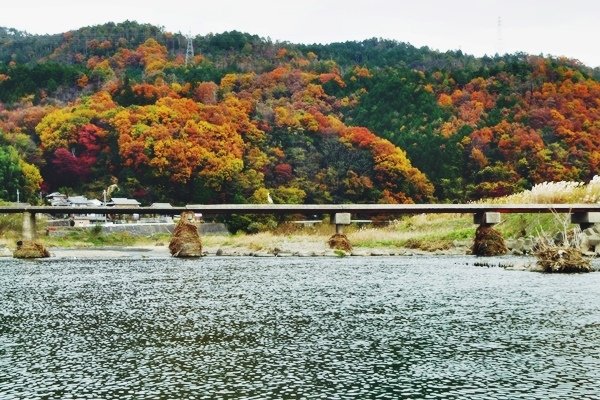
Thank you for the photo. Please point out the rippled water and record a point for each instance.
(295, 328)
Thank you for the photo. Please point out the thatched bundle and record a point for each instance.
(562, 259)
(339, 241)
(30, 249)
(488, 242)
(185, 241)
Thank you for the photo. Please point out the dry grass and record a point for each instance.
(555, 193)
(488, 242)
(339, 242)
(30, 249)
(565, 256)
(269, 241)
(425, 232)
(420, 232)
(185, 241)
(592, 191)
(552, 258)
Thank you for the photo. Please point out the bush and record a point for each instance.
(10, 223)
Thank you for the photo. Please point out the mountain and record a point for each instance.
(370, 121)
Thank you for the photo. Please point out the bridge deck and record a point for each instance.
(308, 209)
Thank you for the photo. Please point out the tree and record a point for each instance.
(10, 173)
(16, 174)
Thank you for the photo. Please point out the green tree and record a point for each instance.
(11, 175)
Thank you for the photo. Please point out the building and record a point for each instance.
(122, 202)
(57, 199)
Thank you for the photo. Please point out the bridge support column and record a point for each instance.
(339, 241)
(341, 219)
(29, 226)
(488, 241)
(28, 247)
(585, 219)
(487, 218)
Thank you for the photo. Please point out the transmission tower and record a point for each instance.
(499, 47)
(189, 52)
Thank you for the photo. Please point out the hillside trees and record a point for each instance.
(77, 143)
(17, 174)
(39, 80)
(181, 142)
(371, 121)
(343, 160)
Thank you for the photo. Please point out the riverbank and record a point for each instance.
(222, 247)
(225, 247)
(414, 235)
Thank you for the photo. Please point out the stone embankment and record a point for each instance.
(590, 243)
(520, 246)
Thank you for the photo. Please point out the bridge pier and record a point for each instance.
(339, 241)
(28, 247)
(488, 241)
(340, 220)
(585, 220)
(489, 218)
(29, 226)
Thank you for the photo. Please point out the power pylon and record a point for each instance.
(499, 47)
(189, 52)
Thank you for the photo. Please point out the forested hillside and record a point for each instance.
(371, 121)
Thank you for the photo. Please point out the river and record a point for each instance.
(314, 328)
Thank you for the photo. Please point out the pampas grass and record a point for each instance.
(554, 193)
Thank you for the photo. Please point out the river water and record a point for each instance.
(315, 328)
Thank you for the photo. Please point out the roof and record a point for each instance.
(122, 201)
(161, 205)
(59, 202)
(56, 194)
(78, 200)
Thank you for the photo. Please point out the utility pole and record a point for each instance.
(189, 52)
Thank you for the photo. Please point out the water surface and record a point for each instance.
(388, 328)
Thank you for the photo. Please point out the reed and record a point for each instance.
(561, 253)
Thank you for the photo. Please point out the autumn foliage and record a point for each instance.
(367, 122)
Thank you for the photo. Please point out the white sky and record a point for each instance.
(557, 27)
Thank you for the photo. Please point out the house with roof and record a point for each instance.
(57, 199)
(122, 202)
(161, 218)
(78, 201)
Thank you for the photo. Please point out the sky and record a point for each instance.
(550, 27)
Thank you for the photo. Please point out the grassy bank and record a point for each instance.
(431, 232)
(421, 232)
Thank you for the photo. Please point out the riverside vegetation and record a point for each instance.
(441, 233)
(419, 233)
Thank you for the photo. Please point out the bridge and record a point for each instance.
(286, 209)
(484, 214)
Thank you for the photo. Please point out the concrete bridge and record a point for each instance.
(484, 214)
